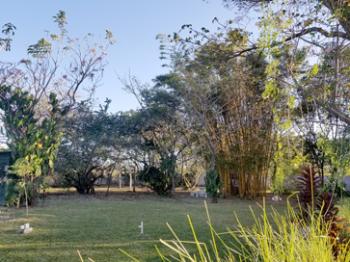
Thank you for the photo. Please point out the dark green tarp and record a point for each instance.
(5, 158)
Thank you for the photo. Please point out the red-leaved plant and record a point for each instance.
(315, 202)
(309, 186)
(337, 226)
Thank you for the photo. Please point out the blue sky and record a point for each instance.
(134, 23)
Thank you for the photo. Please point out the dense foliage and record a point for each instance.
(85, 148)
(157, 180)
(36, 95)
(253, 108)
(246, 111)
(33, 141)
(212, 184)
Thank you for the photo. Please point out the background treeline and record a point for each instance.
(247, 110)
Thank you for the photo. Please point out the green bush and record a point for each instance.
(157, 180)
(12, 193)
(212, 184)
(15, 193)
(334, 185)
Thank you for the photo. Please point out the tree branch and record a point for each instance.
(303, 32)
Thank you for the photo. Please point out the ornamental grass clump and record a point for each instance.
(274, 237)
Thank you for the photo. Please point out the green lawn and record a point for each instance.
(99, 226)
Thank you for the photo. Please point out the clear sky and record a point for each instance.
(134, 23)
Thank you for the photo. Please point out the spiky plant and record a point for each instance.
(334, 224)
(309, 186)
(319, 204)
(328, 212)
(326, 206)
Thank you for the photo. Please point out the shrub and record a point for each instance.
(18, 192)
(212, 184)
(84, 182)
(12, 192)
(157, 180)
(335, 186)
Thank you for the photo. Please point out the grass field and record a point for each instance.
(98, 226)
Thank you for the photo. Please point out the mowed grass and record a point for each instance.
(99, 226)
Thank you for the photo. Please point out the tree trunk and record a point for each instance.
(109, 181)
(134, 181)
(173, 186)
(130, 181)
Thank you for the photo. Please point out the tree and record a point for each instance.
(306, 44)
(37, 93)
(85, 148)
(161, 127)
(128, 144)
(8, 31)
(157, 180)
(32, 139)
(225, 97)
(324, 22)
(59, 63)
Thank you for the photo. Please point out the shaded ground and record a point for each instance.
(98, 226)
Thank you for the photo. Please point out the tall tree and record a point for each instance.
(319, 25)
(162, 126)
(225, 96)
(85, 148)
(38, 92)
(32, 140)
(8, 31)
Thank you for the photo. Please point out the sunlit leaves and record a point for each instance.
(271, 90)
(291, 102)
(314, 71)
(40, 49)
